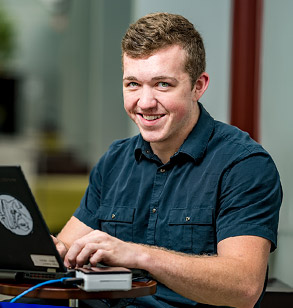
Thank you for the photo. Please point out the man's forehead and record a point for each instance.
(146, 54)
(165, 59)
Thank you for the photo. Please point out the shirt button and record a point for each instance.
(148, 151)
(187, 218)
(154, 211)
(162, 170)
(113, 216)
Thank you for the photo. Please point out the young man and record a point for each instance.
(193, 201)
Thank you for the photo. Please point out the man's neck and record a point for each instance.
(166, 149)
(164, 153)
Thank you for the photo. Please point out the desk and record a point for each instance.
(278, 294)
(73, 294)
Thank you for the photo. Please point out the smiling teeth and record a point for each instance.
(150, 118)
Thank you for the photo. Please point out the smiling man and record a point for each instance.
(191, 200)
(160, 98)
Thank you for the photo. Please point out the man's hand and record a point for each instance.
(61, 248)
(234, 277)
(98, 246)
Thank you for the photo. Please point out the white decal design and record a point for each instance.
(15, 216)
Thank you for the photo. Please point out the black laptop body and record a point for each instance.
(27, 249)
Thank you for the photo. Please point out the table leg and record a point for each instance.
(73, 303)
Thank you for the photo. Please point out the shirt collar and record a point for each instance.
(142, 148)
(194, 146)
(197, 141)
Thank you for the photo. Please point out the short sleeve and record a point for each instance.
(250, 199)
(90, 202)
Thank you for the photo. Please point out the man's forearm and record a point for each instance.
(213, 280)
(73, 230)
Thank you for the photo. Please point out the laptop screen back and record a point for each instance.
(26, 244)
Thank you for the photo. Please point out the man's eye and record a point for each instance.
(163, 84)
(132, 84)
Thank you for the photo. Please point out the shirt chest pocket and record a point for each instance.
(117, 221)
(192, 231)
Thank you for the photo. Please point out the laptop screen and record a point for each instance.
(26, 244)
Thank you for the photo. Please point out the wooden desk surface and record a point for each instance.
(139, 288)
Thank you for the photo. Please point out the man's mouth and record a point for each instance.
(152, 117)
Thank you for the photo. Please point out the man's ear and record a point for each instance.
(201, 85)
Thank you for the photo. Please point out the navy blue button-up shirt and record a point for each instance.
(219, 184)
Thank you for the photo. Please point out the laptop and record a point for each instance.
(27, 249)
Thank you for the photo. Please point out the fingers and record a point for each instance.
(70, 259)
(98, 246)
(81, 251)
(79, 255)
(99, 256)
(60, 246)
(55, 240)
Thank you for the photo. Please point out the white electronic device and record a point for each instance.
(104, 278)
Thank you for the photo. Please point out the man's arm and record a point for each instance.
(235, 277)
(73, 230)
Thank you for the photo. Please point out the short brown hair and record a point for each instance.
(159, 30)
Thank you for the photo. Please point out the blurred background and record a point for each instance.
(61, 102)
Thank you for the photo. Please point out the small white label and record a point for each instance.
(45, 261)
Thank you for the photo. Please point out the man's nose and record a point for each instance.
(147, 98)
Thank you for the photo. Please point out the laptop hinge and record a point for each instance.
(10, 275)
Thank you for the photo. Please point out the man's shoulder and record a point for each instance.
(231, 137)
(126, 143)
(120, 152)
(122, 148)
(229, 145)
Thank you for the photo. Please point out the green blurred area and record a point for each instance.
(58, 196)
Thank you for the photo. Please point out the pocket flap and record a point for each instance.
(118, 214)
(194, 216)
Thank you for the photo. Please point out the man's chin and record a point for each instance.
(151, 138)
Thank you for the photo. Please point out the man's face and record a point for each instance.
(159, 98)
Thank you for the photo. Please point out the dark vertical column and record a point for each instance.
(245, 66)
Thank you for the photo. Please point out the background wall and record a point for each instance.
(92, 101)
(68, 60)
(276, 123)
(70, 97)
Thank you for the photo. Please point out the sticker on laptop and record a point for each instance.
(15, 216)
(45, 260)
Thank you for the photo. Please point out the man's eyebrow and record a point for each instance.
(164, 78)
(154, 78)
(130, 78)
